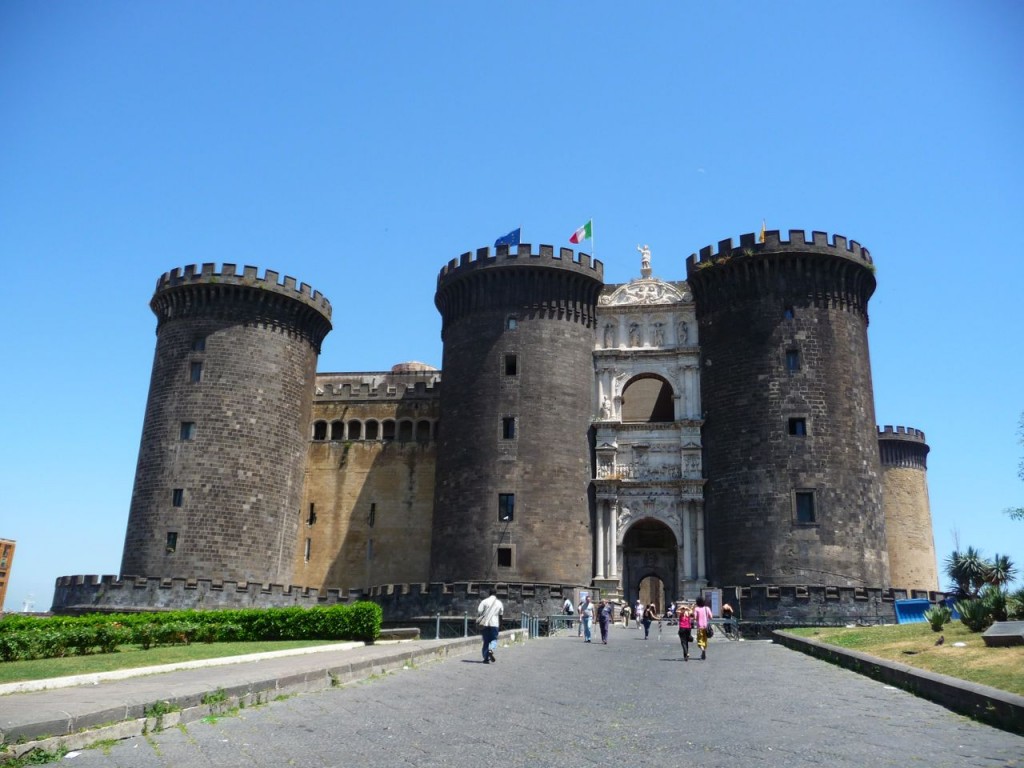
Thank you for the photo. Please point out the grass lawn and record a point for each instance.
(130, 656)
(914, 645)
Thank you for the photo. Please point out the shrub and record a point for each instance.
(1015, 605)
(996, 601)
(974, 614)
(937, 616)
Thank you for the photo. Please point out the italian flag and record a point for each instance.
(583, 233)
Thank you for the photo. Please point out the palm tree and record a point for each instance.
(1002, 572)
(969, 571)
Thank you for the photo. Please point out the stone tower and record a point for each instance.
(794, 493)
(908, 515)
(218, 484)
(513, 456)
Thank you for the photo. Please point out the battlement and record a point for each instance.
(523, 256)
(228, 275)
(377, 385)
(773, 243)
(902, 447)
(83, 593)
(900, 433)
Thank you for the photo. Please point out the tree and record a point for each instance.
(1018, 512)
(969, 571)
(1002, 571)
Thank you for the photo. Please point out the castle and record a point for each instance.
(717, 432)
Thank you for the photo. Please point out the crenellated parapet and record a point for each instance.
(817, 271)
(902, 447)
(563, 285)
(523, 256)
(797, 243)
(205, 291)
(378, 385)
(108, 594)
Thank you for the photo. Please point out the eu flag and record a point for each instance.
(512, 238)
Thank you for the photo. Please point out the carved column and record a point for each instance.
(687, 538)
(599, 534)
(613, 540)
(701, 566)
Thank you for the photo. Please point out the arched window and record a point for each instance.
(355, 430)
(405, 431)
(648, 398)
(423, 431)
(319, 430)
(337, 430)
(389, 430)
(372, 429)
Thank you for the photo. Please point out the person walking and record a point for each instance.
(650, 614)
(579, 615)
(604, 619)
(727, 620)
(625, 615)
(488, 618)
(586, 618)
(638, 613)
(702, 615)
(567, 609)
(685, 630)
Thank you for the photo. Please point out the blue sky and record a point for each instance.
(360, 146)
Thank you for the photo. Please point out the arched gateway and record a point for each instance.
(649, 551)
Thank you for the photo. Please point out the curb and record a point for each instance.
(991, 706)
(132, 716)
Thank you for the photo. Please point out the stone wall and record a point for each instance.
(219, 477)
(789, 412)
(518, 332)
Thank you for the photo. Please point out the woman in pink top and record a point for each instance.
(702, 614)
(685, 630)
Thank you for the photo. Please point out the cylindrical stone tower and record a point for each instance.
(513, 457)
(908, 515)
(794, 491)
(219, 479)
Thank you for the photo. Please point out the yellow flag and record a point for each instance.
(760, 239)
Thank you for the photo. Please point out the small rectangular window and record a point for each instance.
(798, 427)
(506, 506)
(199, 344)
(504, 557)
(511, 365)
(788, 313)
(511, 322)
(508, 428)
(309, 549)
(172, 541)
(188, 430)
(311, 517)
(195, 374)
(792, 360)
(371, 516)
(805, 507)
(178, 497)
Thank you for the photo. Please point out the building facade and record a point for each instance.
(712, 432)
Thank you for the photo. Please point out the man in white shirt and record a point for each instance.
(488, 618)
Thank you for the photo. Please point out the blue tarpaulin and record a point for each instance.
(911, 611)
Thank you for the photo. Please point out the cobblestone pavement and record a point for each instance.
(561, 702)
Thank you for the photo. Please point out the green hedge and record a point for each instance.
(34, 637)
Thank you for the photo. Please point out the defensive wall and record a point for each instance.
(766, 603)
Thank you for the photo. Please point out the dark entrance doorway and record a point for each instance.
(650, 563)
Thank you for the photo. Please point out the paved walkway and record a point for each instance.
(560, 702)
